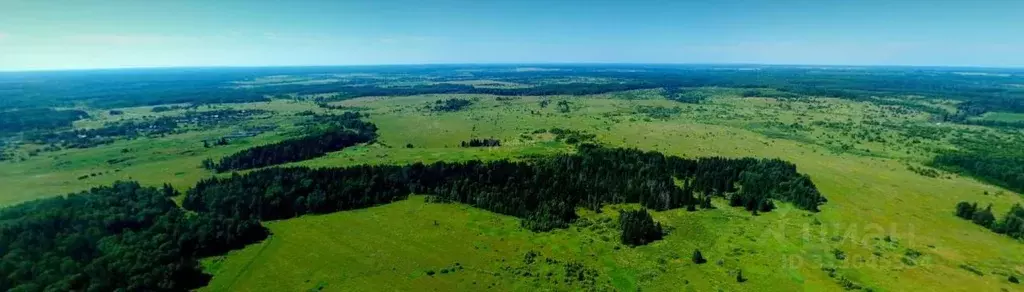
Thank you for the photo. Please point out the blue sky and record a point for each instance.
(80, 34)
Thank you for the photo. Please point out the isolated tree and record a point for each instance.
(169, 191)
(698, 258)
(739, 277)
(563, 106)
(965, 210)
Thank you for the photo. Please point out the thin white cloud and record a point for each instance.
(121, 39)
(785, 52)
(406, 39)
(4, 36)
(304, 38)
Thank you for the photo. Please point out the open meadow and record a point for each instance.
(888, 223)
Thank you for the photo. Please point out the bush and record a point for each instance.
(839, 254)
(698, 258)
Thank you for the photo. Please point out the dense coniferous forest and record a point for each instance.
(38, 119)
(1011, 224)
(486, 142)
(994, 161)
(119, 237)
(544, 192)
(340, 131)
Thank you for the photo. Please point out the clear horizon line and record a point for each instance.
(43, 70)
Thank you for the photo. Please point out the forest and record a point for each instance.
(992, 160)
(13, 121)
(328, 133)
(544, 193)
(120, 237)
(111, 89)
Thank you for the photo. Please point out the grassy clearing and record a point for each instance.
(382, 248)
(399, 243)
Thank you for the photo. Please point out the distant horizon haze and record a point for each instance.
(1013, 69)
(89, 34)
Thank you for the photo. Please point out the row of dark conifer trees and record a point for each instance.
(486, 142)
(544, 192)
(330, 133)
(1012, 223)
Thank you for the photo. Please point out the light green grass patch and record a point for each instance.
(1003, 117)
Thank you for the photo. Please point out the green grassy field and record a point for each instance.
(399, 243)
(1003, 117)
(895, 227)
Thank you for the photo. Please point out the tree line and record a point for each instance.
(545, 192)
(449, 105)
(124, 88)
(486, 142)
(120, 237)
(330, 133)
(684, 95)
(990, 159)
(1011, 225)
(14, 121)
